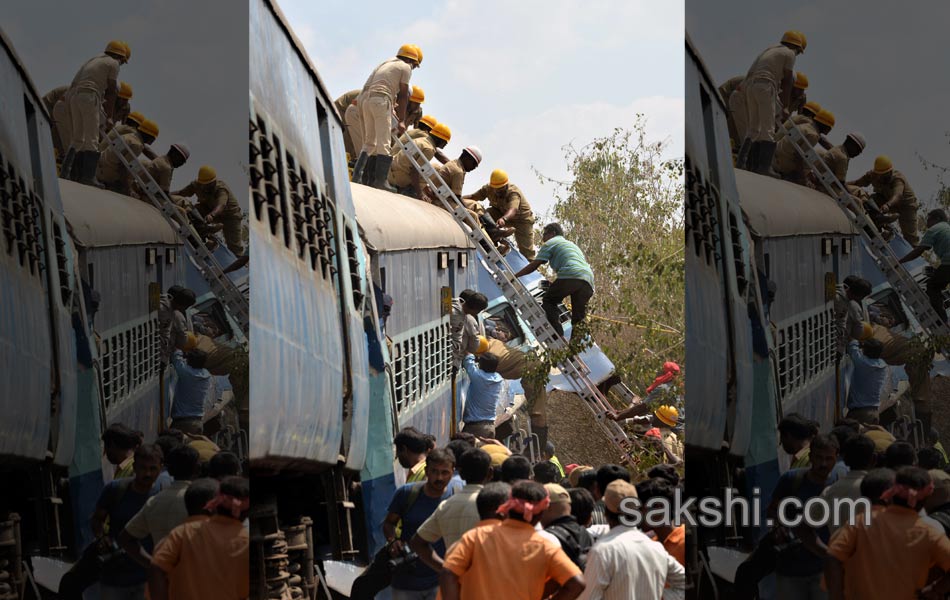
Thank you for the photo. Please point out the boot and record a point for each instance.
(369, 171)
(743, 157)
(752, 157)
(65, 169)
(87, 176)
(766, 153)
(359, 167)
(381, 181)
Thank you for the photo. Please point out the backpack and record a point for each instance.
(575, 540)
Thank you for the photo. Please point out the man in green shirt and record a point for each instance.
(574, 276)
(936, 238)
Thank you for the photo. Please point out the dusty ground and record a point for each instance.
(941, 408)
(575, 433)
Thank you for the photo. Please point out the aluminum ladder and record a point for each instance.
(222, 286)
(525, 304)
(899, 278)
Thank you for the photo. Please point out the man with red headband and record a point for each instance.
(662, 385)
(892, 556)
(511, 560)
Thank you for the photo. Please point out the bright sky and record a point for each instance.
(880, 68)
(520, 80)
(188, 70)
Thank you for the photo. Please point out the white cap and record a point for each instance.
(858, 139)
(475, 153)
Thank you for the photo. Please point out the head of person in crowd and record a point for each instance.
(665, 471)
(852, 423)
(549, 451)
(465, 437)
(843, 433)
(582, 505)
(937, 215)
(823, 456)
(527, 503)
(875, 483)
(857, 288)
(233, 498)
(516, 468)
(929, 458)
(551, 230)
(430, 442)
(900, 454)
(577, 472)
(487, 362)
(560, 505)
(224, 464)
(199, 494)
(182, 463)
(648, 490)
(196, 359)
(490, 497)
(440, 467)
(475, 466)
(607, 474)
(181, 298)
(473, 302)
(912, 486)
(940, 499)
(872, 348)
(167, 443)
(796, 432)
(147, 467)
(411, 447)
(587, 479)
(615, 495)
(546, 472)
(859, 453)
(120, 442)
(458, 448)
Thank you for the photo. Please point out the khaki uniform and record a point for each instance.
(342, 104)
(787, 161)
(725, 91)
(376, 104)
(111, 172)
(837, 160)
(454, 176)
(739, 114)
(797, 103)
(211, 196)
(761, 87)
(85, 96)
(511, 366)
(53, 96)
(523, 219)
(61, 126)
(161, 170)
(233, 363)
(412, 118)
(414, 134)
(354, 128)
(122, 110)
(400, 173)
(905, 200)
(914, 357)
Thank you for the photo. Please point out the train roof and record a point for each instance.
(103, 218)
(777, 208)
(691, 49)
(395, 222)
(8, 46)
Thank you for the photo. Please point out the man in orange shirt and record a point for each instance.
(511, 560)
(207, 558)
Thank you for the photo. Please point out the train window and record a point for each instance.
(129, 358)
(324, 247)
(422, 366)
(326, 143)
(65, 293)
(806, 351)
(279, 212)
(7, 212)
(712, 142)
(260, 149)
(738, 254)
(354, 266)
(34, 138)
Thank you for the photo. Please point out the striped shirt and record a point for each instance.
(566, 259)
(453, 517)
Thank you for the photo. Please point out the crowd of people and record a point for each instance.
(84, 112)
(476, 521)
(170, 520)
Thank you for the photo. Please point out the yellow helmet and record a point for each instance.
(882, 165)
(429, 121)
(801, 81)
(668, 415)
(866, 331)
(482, 345)
(206, 174)
(119, 48)
(417, 95)
(149, 127)
(419, 52)
(795, 38)
(442, 131)
(135, 116)
(812, 107)
(411, 52)
(191, 341)
(825, 117)
(125, 91)
(498, 179)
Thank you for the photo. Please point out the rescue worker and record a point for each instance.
(217, 204)
(122, 106)
(414, 109)
(387, 88)
(50, 100)
(725, 92)
(111, 172)
(788, 163)
(797, 99)
(839, 157)
(424, 126)
(162, 168)
(403, 175)
(509, 208)
(354, 132)
(94, 86)
(807, 113)
(767, 93)
(892, 194)
(453, 173)
(341, 105)
(129, 124)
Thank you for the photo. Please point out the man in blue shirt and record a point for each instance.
(937, 238)
(484, 391)
(867, 381)
(194, 383)
(574, 276)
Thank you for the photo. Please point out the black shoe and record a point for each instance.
(369, 171)
(381, 179)
(359, 167)
(742, 158)
(87, 176)
(766, 153)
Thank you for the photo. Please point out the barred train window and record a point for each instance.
(7, 212)
(129, 359)
(64, 292)
(267, 187)
(423, 366)
(806, 350)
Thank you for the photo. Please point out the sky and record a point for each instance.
(188, 69)
(520, 80)
(881, 69)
